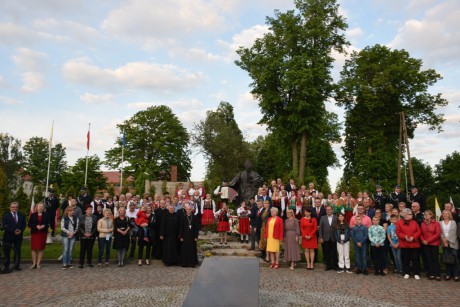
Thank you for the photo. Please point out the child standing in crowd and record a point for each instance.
(394, 244)
(359, 234)
(142, 218)
(377, 239)
(243, 224)
(208, 207)
(223, 226)
(342, 235)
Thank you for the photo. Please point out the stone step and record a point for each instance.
(240, 252)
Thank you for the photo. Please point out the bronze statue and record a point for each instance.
(246, 183)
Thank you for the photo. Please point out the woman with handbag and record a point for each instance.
(449, 245)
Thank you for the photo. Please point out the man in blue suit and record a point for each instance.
(14, 224)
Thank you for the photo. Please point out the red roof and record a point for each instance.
(113, 177)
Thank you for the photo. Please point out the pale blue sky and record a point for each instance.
(77, 62)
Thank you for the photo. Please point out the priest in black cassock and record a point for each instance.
(159, 212)
(188, 234)
(169, 234)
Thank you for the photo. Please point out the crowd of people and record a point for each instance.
(385, 230)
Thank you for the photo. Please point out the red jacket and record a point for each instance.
(431, 233)
(278, 230)
(411, 229)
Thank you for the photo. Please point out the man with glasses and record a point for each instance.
(14, 224)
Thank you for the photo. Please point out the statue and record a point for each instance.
(246, 183)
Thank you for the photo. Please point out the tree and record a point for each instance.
(291, 71)
(75, 176)
(447, 176)
(36, 152)
(376, 85)
(423, 175)
(155, 140)
(4, 192)
(222, 143)
(10, 159)
(23, 201)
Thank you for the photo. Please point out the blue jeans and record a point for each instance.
(451, 270)
(361, 256)
(398, 260)
(104, 244)
(67, 248)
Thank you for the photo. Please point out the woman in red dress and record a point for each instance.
(39, 223)
(308, 228)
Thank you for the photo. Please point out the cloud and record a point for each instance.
(8, 100)
(245, 38)
(32, 64)
(436, 36)
(68, 30)
(97, 99)
(141, 105)
(195, 55)
(355, 33)
(133, 75)
(3, 82)
(160, 22)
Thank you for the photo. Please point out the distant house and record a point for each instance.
(113, 178)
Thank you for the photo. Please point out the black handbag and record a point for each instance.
(448, 258)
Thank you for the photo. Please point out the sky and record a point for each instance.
(82, 61)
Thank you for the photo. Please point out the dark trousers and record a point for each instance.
(378, 254)
(253, 237)
(432, 255)
(14, 244)
(424, 258)
(133, 246)
(86, 249)
(148, 249)
(330, 254)
(52, 223)
(411, 260)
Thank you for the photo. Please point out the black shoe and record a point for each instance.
(80, 266)
(376, 273)
(90, 266)
(241, 241)
(358, 272)
(365, 272)
(382, 273)
(5, 271)
(17, 268)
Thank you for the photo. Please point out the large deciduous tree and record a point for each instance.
(291, 71)
(376, 85)
(74, 178)
(222, 142)
(36, 152)
(155, 140)
(447, 175)
(10, 159)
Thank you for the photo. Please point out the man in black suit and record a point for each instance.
(317, 212)
(14, 224)
(397, 196)
(326, 235)
(84, 199)
(380, 199)
(290, 186)
(51, 206)
(417, 197)
(259, 222)
(254, 219)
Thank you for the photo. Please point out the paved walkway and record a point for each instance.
(156, 285)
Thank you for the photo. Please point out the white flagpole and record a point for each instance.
(87, 150)
(121, 173)
(49, 159)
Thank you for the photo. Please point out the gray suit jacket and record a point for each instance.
(326, 231)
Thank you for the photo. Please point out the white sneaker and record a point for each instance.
(60, 258)
(407, 276)
(417, 277)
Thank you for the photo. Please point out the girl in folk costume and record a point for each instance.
(208, 208)
(202, 190)
(295, 205)
(284, 203)
(349, 207)
(359, 198)
(191, 190)
(334, 202)
(223, 226)
(276, 201)
(243, 224)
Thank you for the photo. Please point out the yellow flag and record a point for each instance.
(437, 209)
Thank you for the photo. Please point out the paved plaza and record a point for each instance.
(157, 285)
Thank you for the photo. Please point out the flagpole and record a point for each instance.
(123, 143)
(49, 159)
(87, 151)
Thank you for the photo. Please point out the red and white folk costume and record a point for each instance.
(243, 224)
(208, 208)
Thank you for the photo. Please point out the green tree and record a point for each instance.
(36, 152)
(10, 159)
(222, 142)
(23, 201)
(75, 176)
(291, 71)
(423, 175)
(376, 85)
(447, 175)
(4, 192)
(155, 140)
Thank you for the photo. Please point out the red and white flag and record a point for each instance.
(87, 140)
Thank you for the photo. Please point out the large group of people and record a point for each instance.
(280, 220)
